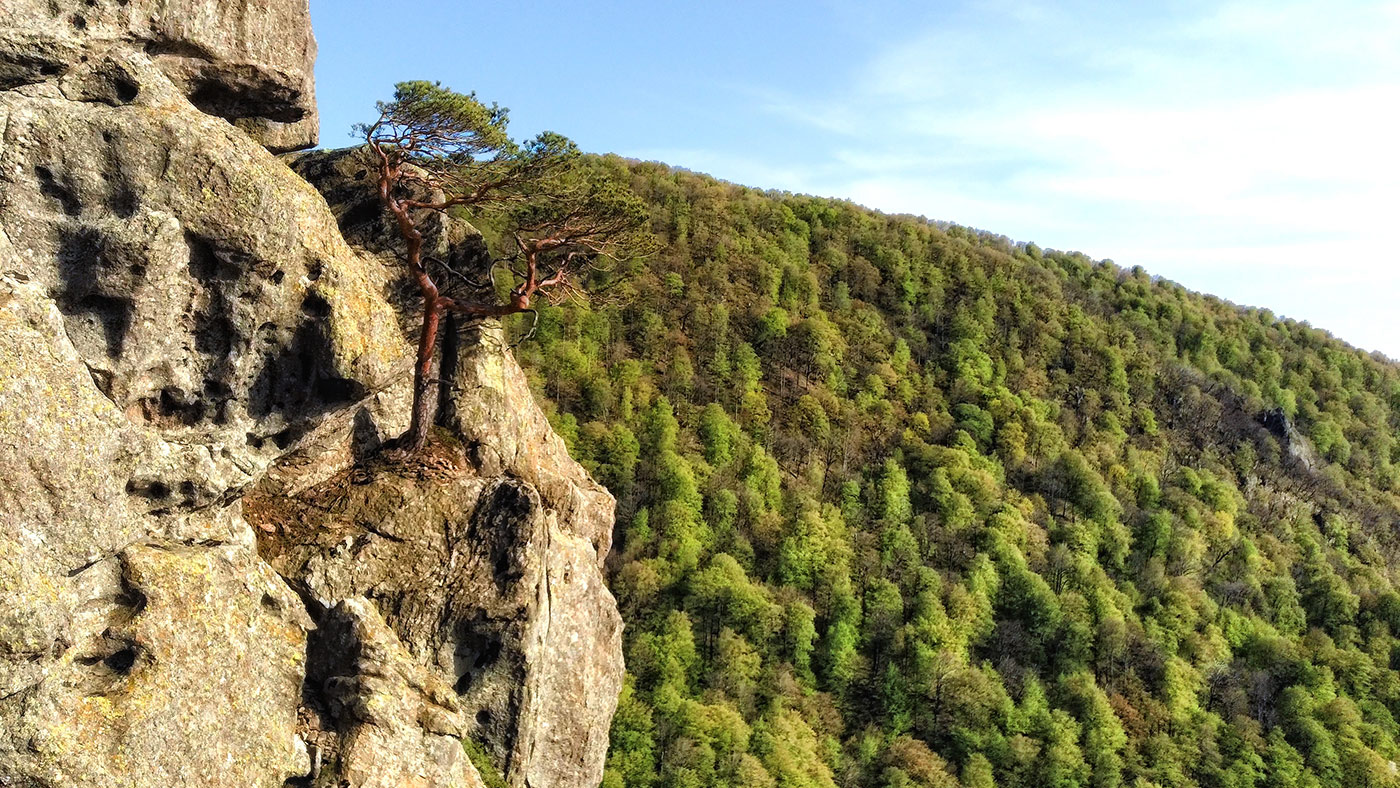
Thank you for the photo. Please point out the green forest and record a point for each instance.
(903, 503)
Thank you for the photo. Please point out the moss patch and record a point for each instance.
(490, 775)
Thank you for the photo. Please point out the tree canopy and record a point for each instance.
(902, 503)
(436, 150)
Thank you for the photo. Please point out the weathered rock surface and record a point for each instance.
(168, 665)
(507, 529)
(204, 285)
(123, 633)
(176, 309)
(235, 59)
(346, 177)
(485, 560)
(188, 343)
(381, 720)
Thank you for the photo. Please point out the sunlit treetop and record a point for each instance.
(460, 146)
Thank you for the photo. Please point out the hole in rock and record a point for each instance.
(285, 438)
(214, 331)
(121, 661)
(475, 654)
(177, 408)
(49, 186)
(297, 376)
(122, 200)
(208, 263)
(127, 91)
(338, 390)
(97, 283)
(113, 661)
(217, 388)
(153, 490)
(247, 98)
(108, 314)
(316, 306)
(131, 601)
(363, 213)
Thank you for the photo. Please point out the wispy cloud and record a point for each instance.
(1242, 147)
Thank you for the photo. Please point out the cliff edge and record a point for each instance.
(188, 343)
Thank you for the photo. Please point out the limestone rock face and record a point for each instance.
(503, 524)
(202, 283)
(189, 348)
(123, 632)
(250, 60)
(177, 309)
(171, 665)
(347, 179)
(484, 559)
(392, 722)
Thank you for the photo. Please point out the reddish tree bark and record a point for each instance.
(456, 150)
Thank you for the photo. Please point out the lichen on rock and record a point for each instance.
(187, 344)
(485, 583)
(249, 61)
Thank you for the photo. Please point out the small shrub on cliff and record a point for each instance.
(490, 775)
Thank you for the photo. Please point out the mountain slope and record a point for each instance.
(902, 503)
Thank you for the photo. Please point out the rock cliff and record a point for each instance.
(188, 343)
(248, 61)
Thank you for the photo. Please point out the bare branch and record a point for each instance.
(534, 324)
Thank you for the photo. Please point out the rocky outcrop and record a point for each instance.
(187, 342)
(484, 558)
(392, 721)
(176, 309)
(204, 285)
(347, 179)
(249, 61)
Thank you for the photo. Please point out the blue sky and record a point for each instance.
(1246, 149)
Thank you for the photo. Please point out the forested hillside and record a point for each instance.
(908, 504)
